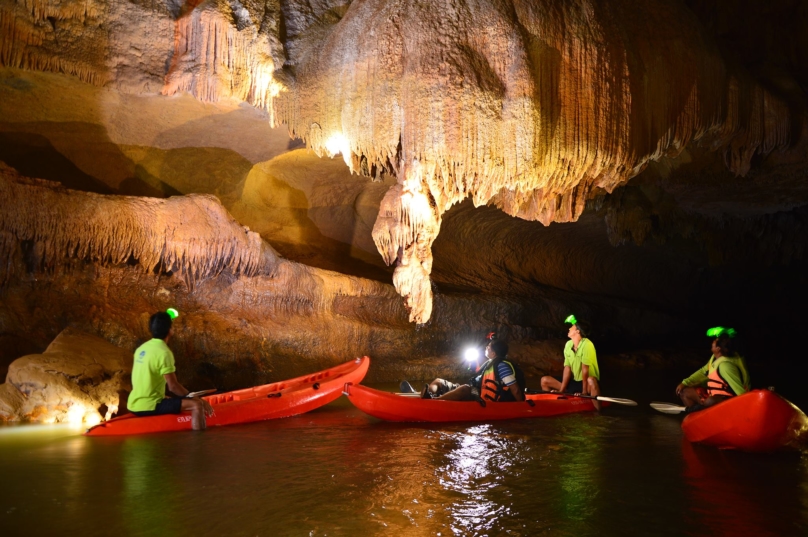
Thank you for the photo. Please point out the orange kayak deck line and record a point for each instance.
(392, 407)
(270, 401)
(759, 420)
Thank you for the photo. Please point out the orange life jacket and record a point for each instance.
(715, 384)
(491, 386)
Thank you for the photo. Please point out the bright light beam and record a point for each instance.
(338, 143)
(471, 354)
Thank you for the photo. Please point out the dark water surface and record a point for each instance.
(336, 471)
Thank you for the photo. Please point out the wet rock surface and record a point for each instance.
(79, 377)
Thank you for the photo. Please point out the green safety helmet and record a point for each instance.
(173, 313)
(571, 320)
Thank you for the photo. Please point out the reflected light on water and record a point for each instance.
(35, 429)
(475, 469)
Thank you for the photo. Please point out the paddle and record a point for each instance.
(200, 392)
(668, 408)
(615, 400)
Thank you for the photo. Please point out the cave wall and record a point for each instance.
(672, 133)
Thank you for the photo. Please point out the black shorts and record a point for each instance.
(169, 405)
(574, 386)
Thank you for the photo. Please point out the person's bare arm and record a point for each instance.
(516, 392)
(565, 378)
(584, 379)
(174, 385)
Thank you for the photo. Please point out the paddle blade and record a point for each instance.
(617, 400)
(668, 408)
(200, 392)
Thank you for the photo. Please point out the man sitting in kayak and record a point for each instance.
(154, 369)
(724, 376)
(496, 381)
(581, 374)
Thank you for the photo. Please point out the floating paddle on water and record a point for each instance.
(668, 408)
(200, 392)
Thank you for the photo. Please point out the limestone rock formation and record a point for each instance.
(663, 143)
(79, 378)
(533, 107)
(530, 106)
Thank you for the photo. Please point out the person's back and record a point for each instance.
(153, 370)
(152, 361)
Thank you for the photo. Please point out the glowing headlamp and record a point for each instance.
(718, 330)
(172, 313)
(471, 354)
(571, 320)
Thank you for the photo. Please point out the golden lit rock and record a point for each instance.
(76, 377)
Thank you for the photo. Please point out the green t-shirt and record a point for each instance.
(153, 359)
(585, 355)
(732, 370)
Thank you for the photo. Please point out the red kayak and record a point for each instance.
(759, 420)
(392, 407)
(270, 401)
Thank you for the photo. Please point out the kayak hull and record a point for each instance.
(269, 401)
(758, 421)
(392, 407)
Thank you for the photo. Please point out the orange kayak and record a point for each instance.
(270, 401)
(759, 420)
(392, 407)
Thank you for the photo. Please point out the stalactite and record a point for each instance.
(192, 236)
(28, 41)
(528, 106)
(213, 59)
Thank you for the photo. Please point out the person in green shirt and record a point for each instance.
(724, 376)
(153, 370)
(581, 373)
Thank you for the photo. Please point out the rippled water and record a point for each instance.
(336, 471)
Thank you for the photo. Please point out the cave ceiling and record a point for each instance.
(626, 151)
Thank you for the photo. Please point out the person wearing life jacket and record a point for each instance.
(497, 379)
(724, 376)
(581, 374)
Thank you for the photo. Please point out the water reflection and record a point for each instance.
(148, 499)
(724, 492)
(475, 469)
(337, 472)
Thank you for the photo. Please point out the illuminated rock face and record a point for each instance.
(78, 378)
(540, 109)
(532, 107)
(529, 106)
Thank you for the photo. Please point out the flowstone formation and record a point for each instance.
(532, 107)
(79, 378)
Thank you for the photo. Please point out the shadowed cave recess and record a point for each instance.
(311, 181)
